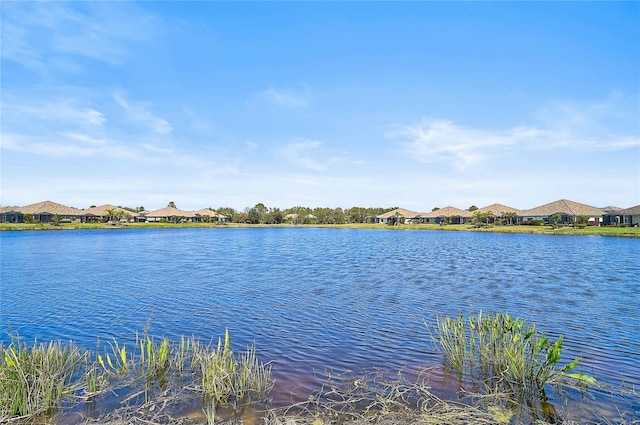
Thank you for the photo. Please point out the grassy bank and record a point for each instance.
(546, 230)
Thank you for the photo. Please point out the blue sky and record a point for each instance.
(320, 104)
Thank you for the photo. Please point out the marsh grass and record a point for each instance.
(228, 380)
(150, 373)
(34, 379)
(504, 352)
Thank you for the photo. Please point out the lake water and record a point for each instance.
(328, 299)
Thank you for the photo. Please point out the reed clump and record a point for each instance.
(227, 380)
(504, 352)
(35, 379)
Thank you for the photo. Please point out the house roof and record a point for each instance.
(447, 212)
(101, 211)
(610, 209)
(497, 209)
(563, 206)
(48, 207)
(9, 209)
(628, 211)
(399, 211)
(170, 212)
(207, 212)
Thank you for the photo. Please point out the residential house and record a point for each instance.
(170, 214)
(628, 217)
(447, 215)
(208, 215)
(107, 212)
(499, 211)
(569, 211)
(609, 216)
(11, 215)
(45, 211)
(399, 215)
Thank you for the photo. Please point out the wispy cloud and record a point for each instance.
(439, 140)
(66, 128)
(57, 110)
(53, 36)
(288, 98)
(606, 125)
(576, 127)
(302, 152)
(140, 113)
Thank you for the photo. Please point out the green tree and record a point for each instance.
(472, 208)
(56, 219)
(582, 221)
(482, 218)
(435, 208)
(509, 217)
(356, 215)
(230, 213)
(111, 214)
(555, 219)
(172, 204)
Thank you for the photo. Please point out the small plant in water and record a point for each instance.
(229, 380)
(34, 380)
(503, 352)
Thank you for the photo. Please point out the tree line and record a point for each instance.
(261, 214)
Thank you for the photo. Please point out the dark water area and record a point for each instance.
(314, 300)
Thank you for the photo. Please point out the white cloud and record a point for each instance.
(288, 98)
(439, 140)
(57, 110)
(52, 36)
(586, 127)
(139, 112)
(606, 125)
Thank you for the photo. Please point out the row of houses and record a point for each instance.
(44, 212)
(567, 211)
(562, 212)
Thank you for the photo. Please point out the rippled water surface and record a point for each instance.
(320, 299)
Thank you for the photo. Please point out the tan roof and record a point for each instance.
(101, 211)
(497, 209)
(399, 211)
(49, 207)
(563, 206)
(629, 211)
(610, 209)
(9, 209)
(447, 212)
(170, 212)
(207, 212)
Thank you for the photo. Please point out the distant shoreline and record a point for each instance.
(520, 229)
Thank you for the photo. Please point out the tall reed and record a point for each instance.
(34, 379)
(503, 351)
(227, 379)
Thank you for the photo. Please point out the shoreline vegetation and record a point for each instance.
(151, 380)
(522, 228)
